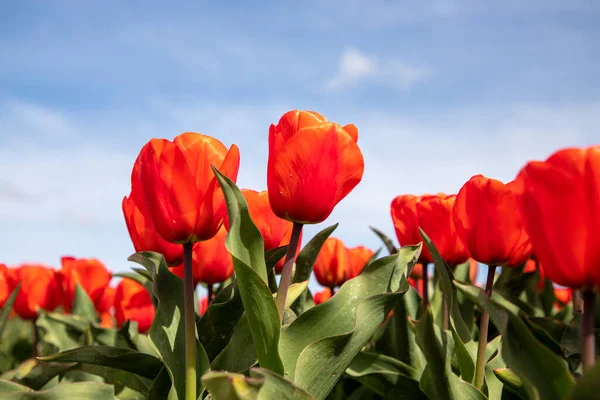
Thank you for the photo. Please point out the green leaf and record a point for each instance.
(386, 240)
(386, 376)
(261, 385)
(161, 386)
(240, 353)
(246, 246)
(218, 322)
(272, 257)
(126, 359)
(126, 385)
(511, 381)
(167, 330)
(545, 375)
(466, 363)
(60, 332)
(588, 387)
(305, 263)
(445, 279)
(7, 307)
(319, 345)
(63, 391)
(83, 306)
(438, 381)
(36, 375)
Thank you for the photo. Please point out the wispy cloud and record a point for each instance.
(356, 67)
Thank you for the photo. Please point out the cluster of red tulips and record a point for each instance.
(547, 219)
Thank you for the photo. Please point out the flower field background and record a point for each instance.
(404, 321)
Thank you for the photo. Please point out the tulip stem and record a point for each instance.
(577, 302)
(332, 290)
(190, 323)
(425, 283)
(483, 331)
(286, 273)
(209, 295)
(588, 345)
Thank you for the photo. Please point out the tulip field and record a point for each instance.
(410, 320)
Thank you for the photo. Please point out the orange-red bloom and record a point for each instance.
(275, 231)
(435, 218)
(313, 164)
(185, 201)
(488, 223)
(133, 303)
(331, 266)
(4, 285)
(105, 305)
(417, 271)
(321, 296)
(140, 226)
(203, 305)
(211, 262)
(473, 268)
(560, 205)
(563, 296)
(90, 273)
(406, 223)
(357, 259)
(41, 287)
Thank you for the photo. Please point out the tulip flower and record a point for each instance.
(434, 214)
(133, 303)
(559, 201)
(275, 231)
(211, 262)
(140, 226)
(91, 274)
(563, 296)
(357, 260)
(4, 286)
(473, 269)
(41, 287)
(203, 305)
(322, 296)
(331, 265)
(184, 199)
(417, 272)
(313, 164)
(487, 222)
(104, 306)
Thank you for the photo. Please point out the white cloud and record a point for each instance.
(356, 67)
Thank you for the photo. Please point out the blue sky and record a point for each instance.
(440, 91)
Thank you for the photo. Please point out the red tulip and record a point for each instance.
(358, 258)
(331, 265)
(473, 268)
(4, 286)
(406, 223)
(417, 271)
(563, 296)
(559, 202)
(107, 301)
(435, 218)
(488, 224)
(211, 262)
(275, 231)
(140, 226)
(41, 287)
(185, 201)
(133, 303)
(91, 274)
(322, 296)
(301, 147)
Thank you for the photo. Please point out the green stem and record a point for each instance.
(588, 345)
(190, 323)
(577, 302)
(286, 273)
(425, 283)
(483, 331)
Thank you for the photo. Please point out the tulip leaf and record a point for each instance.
(5, 312)
(545, 375)
(320, 344)
(466, 363)
(61, 332)
(511, 381)
(588, 387)
(62, 391)
(35, 374)
(161, 385)
(389, 244)
(216, 326)
(167, 330)
(83, 305)
(116, 357)
(272, 257)
(240, 353)
(262, 384)
(445, 279)
(245, 244)
(438, 381)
